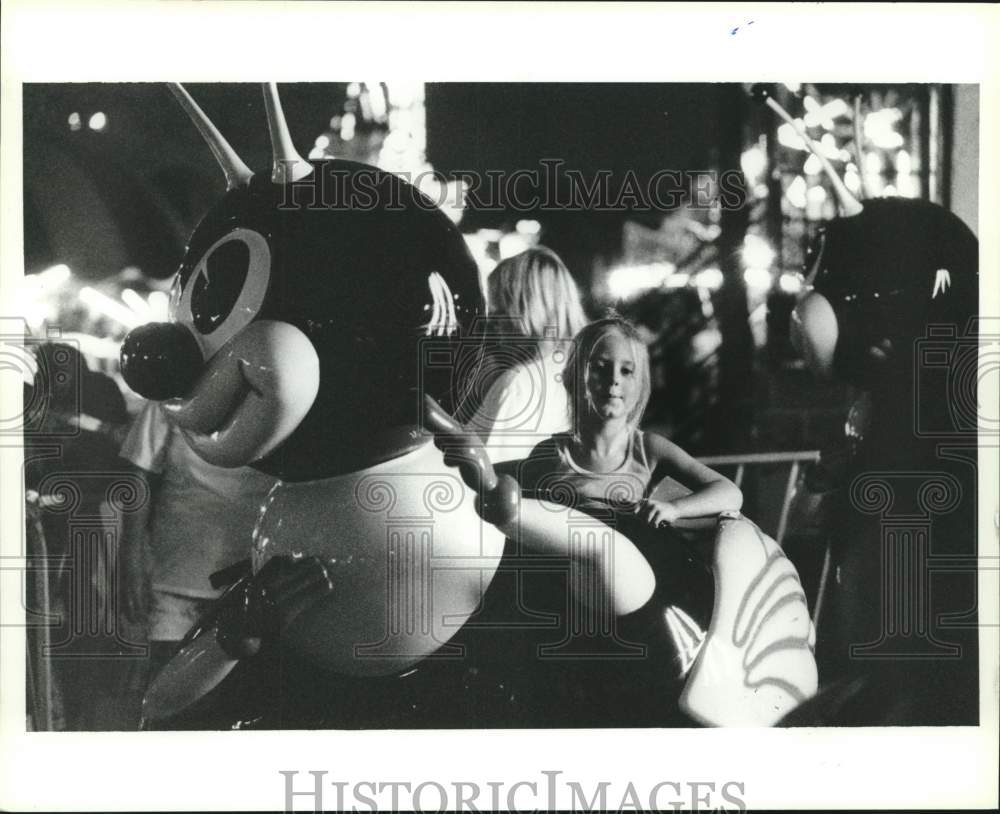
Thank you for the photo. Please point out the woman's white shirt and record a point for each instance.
(524, 406)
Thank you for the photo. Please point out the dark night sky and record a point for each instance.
(643, 127)
(156, 177)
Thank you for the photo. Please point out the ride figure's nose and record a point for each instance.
(814, 332)
(161, 360)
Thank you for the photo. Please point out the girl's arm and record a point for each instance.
(711, 493)
(618, 575)
(615, 573)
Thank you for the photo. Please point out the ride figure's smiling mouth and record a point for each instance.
(248, 399)
(239, 400)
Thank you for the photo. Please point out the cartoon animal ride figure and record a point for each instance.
(309, 306)
(890, 299)
(297, 319)
(299, 323)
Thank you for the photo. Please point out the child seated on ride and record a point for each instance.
(626, 583)
(606, 464)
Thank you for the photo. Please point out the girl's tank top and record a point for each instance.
(621, 488)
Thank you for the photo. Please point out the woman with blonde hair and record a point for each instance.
(535, 311)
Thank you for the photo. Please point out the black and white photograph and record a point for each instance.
(394, 434)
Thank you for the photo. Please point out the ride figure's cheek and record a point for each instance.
(814, 333)
(252, 395)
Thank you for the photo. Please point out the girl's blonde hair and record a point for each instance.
(535, 293)
(577, 370)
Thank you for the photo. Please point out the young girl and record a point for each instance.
(607, 468)
(606, 462)
(534, 300)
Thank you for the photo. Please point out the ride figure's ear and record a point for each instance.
(237, 173)
(288, 165)
(849, 205)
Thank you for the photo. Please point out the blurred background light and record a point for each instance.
(757, 279)
(141, 307)
(879, 128)
(347, 125)
(829, 148)
(710, 278)
(37, 296)
(873, 164)
(102, 304)
(790, 282)
(376, 100)
(813, 165)
(757, 252)
(852, 181)
(823, 115)
(513, 243)
(815, 198)
(788, 137)
(159, 303)
(95, 346)
(816, 195)
(796, 192)
(626, 282)
(753, 162)
(55, 276)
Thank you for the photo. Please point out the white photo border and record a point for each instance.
(242, 41)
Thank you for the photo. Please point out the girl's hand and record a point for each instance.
(659, 513)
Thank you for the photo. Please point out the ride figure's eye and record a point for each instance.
(218, 285)
(226, 289)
